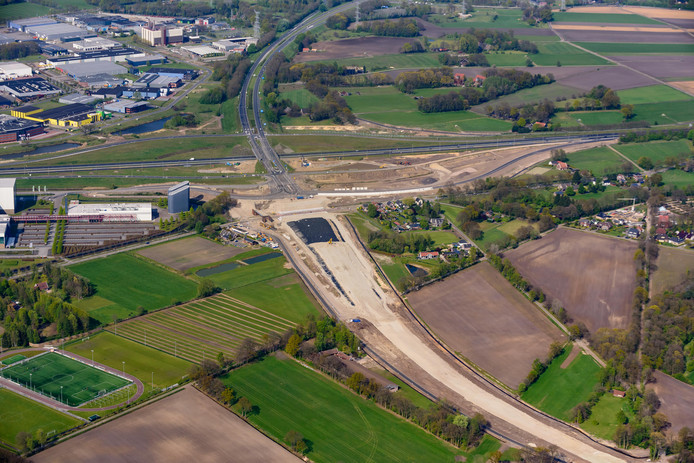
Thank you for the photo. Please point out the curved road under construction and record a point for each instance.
(519, 423)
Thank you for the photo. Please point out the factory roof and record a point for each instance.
(7, 182)
(77, 98)
(55, 29)
(91, 69)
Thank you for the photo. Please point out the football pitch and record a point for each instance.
(64, 379)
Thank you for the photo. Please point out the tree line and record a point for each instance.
(19, 50)
(400, 28)
(497, 82)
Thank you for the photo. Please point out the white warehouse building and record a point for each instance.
(14, 70)
(8, 193)
(141, 212)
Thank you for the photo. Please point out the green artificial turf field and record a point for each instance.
(340, 425)
(125, 282)
(64, 379)
(140, 361)
(19, 414)
(558, 390)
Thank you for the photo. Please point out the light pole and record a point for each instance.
(30, 374)
(61, 393)
(123, 367)
(92, 357)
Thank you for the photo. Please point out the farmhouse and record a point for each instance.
(560, 165)
(427, 255)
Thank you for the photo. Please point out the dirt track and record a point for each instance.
(387, 329)
(185, 427)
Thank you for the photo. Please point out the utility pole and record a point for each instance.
(356, 16)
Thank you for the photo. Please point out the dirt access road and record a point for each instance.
(386, 329)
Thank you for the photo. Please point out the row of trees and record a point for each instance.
(400, 28)
(555, 350)
(231, 73)
(424, 78)
(18, 50)
(524, 114)
(498, 82)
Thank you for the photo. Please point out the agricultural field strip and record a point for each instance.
(135, 332)
(249, 313)
(182, 347)
(244, 327)
(180, 329)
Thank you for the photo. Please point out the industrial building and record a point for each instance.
(155, 35)
(115, 55)
(77, 98)
(80, 70)
(5, 227)
(57, 31)
(72, 115)
(202, 51)
(234, 44)
(179, 197)
(111, 92)
(14, 129)
(148, 80)
(8, 193)
(141, 212)
(146, 60)
(28, 88)
(96, 43)
(14, 70)
(185, 74)
(126, 106)
(21, 24)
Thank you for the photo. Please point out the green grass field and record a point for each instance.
(664, 113)
(245, 275)
(603, 418)
(507, 59)
(637, 48)
(324, 143)
(491, 235)
(652, 94)
(587, 118)
(19, 414)
(566, 54)
(559, 390)
(64, 379)
(606, 18)
(657, 151)
(152, 150)
(12, 359)
(300, 96)
(291, 397)
(440, 237)
(283, 296)
(484, 19)
(125, 282)
(203, 328)
(678, 178)
(395, 61)
(140, 361)
(22, 10)
(597, 160)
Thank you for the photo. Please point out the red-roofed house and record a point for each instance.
(428, 255)
(561, 165)
(459, 79)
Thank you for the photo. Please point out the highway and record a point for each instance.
(258, 140)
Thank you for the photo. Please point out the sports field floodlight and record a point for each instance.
(61, 393)
(30, 374)
(123, 367)
(92, 357)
